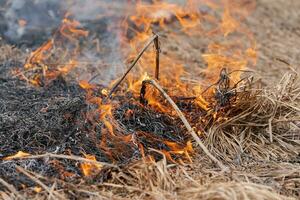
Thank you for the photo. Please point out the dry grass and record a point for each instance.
(261, 144)
(267, 128)
(263, 164)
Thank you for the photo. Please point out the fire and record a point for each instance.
(37, 189)
(42, 64)
(180, 150)
(215, 62)
(229, 24)
(20, 154)
(225, 52)
(160, 12)
(228, 53)
(89, 169)
(69, 29)
(86, 85)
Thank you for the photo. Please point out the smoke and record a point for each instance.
(30, 23)
(42, 17)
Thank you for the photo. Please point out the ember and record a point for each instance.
(123, 93)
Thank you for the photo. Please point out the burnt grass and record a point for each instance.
(52, 119)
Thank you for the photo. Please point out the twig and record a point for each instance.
(157, 51)
(132, 65)
(36, 180)
(11, 188)
(185, 122)
(72, 157)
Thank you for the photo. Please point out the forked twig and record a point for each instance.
(152, 39)
(185, 122)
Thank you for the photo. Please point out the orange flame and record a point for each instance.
(89, 169)
(41, 59)
(86, 85)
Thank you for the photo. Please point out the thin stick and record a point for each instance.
(132, 65)
(11, 188)
(72, 157)
(186, 123)
(157, 51)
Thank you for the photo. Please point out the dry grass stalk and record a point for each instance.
(71, 157)
(231, 190)
(12, 189)
(52, 194)
(145, 178)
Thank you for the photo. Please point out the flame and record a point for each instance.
(230, 45)
(160, 12)
(215, 62)
(69, 29)
(179, 149)
(89, 169)
(86, 85)
(37, 189)
(40, 60)
(228, 53)
(20, 154)
(229, 24)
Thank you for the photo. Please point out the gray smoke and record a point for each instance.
(100, 17)
(41, 18)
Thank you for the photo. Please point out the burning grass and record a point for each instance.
(240, 139)
(214, 135)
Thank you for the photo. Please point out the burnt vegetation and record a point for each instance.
(72, 126)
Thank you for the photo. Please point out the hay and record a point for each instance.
(266, 127)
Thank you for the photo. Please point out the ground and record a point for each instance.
(257, 168)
